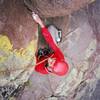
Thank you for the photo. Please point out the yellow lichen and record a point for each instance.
(2, 59)
(32, 46)
(25, 53)
(5, 43)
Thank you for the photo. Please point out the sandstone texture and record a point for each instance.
(19, 40)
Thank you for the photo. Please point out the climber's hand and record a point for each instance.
(37, 19)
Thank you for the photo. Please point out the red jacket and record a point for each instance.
(57, 52)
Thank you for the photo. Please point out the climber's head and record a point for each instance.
(57, 67)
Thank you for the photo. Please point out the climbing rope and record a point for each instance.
(12, 70)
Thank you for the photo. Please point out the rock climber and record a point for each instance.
(51, 62)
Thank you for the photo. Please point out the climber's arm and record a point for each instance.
(51, 43)
(37, 20)
(48, 37)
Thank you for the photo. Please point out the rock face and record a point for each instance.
(48, 8)
(18, 43)
(80, 45)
